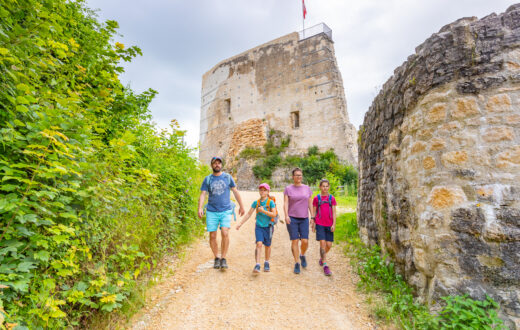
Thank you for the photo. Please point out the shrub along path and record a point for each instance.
(197, 296)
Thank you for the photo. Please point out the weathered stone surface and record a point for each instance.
(509, 157)
(439, 162)
(437, 144)
(418, 146)
(428, 163)
(465, 107)
(499, 103)
(436, 113)
(443, 197)
(454, 157)
(287, 84)
(497, 134)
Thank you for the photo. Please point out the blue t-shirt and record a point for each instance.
(218, 199)
(263, 220)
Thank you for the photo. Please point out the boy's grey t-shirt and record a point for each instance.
(218, 200)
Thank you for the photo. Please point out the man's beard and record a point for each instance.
(216, 170)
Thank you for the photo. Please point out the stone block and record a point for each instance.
(465, 107)
(499, 103)
(417, 147)
(442, 197)
(513, 119)
(428, 163)
(437, 144)
(497, 134)
(454, 158)
(436, 113)
(510, 157)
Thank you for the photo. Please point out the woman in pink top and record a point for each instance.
(297, 205)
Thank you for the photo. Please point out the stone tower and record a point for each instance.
(291, 84)
(439, 164)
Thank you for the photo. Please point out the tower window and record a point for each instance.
(295, 119)
(227, 105)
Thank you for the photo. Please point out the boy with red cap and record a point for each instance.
(265, 210)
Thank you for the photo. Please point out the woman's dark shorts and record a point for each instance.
(298, 228)
(323, 233)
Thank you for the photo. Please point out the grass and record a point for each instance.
(347, 201)
(397, 305)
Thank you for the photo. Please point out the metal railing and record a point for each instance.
(315, 30)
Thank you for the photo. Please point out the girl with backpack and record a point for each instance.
(266, 217)
(324, 222)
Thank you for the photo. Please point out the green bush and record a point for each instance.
(91, 193)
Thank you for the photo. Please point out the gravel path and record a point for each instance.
(196, 296)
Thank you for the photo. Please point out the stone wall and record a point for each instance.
(269, 85)
(439, 160)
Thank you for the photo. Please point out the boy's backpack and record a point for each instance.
(276, 218)
(321, 202)
(209, 180)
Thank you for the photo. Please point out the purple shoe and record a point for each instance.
(321, 262)
(327, 271)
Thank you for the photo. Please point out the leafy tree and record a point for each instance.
(91, 193)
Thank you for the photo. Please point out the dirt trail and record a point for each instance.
(197, 296)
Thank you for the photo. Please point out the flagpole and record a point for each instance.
(303, 20)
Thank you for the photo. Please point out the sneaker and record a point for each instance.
(321, 262)
(327, 271)
(304, 261)
(216, 265)
(223, 264)
(266, 266)
(256, 269)
(297, 268)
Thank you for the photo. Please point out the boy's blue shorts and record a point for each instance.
(298, 228)
(323, 233)
(264, 234)
(214, 220)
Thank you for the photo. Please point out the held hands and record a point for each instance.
(313, 226)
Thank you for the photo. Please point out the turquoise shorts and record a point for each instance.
(214, 220)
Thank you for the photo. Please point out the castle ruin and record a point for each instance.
(439, 161)
(291, 84)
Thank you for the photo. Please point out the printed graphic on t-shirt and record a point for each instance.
(218, 187)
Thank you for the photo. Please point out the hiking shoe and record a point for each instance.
(297, 268)
(321, 262)
(223, 264)
(216, 265)
(266, 266)
(256, 269)
(327, 271)
(304, 261)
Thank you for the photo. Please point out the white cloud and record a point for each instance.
(183, 39)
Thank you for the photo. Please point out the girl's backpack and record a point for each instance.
(276, 218)
(321, 202)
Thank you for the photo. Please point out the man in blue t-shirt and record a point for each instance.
(219, 209)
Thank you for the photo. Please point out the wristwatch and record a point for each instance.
(313, 218)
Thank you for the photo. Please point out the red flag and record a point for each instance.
(304, 9)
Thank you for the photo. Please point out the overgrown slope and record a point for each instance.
(91, 194)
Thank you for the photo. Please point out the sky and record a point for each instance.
(181, 40)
